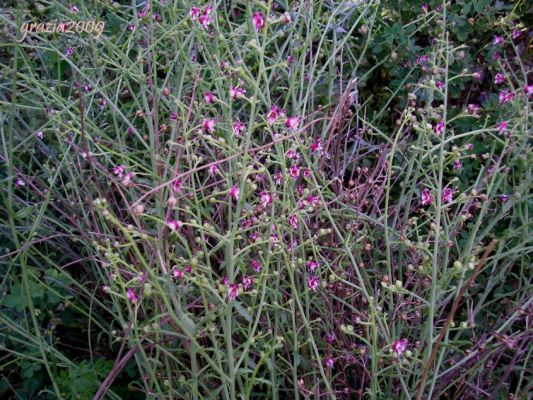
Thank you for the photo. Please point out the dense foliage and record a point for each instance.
(266, 200)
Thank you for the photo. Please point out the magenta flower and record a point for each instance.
(102, 103)
(266, 199)
(498, 40)
(119, 171)
(292, 154)
(40, 134)
(237, 92)
(234, 192)
(130, 293)
(427, 198)
(528, 90)
(294, 171)
(293, 221)
(178, 185)
(439, 84)
(69, 52)
(209, 124)
(506, 96)
(20, 183)
(259, 20)
(233, 291)
(173, 115)
(457, 164)
(312, 265)
(330, 338)
(316, 147)
(447, 195)
(425, 7)
(209, 97)
(174, 225)
(177, 273)
(499, 78)
(256, 265)
(213, 169)
(238, 127)
(473, 108)
(502, 126)
(278, 178)
(74, 9)
(439, 128)
(273, 115)
(399, 346)
(247, 282)
(478, 76)
(205, 20)
(128, 179)
(293, 122)
(330, 362)
(313, 283)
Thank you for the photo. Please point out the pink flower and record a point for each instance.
(130, 293)
(247, 282)
(278, 178)
(427, 198)
(205, 20)
(307, 173)
(473, 108)
(502, 126)
(457, 164)
(316, 147)
(177, 184)
(313, 283)
(447, 195)
(213, 169)
(499, 78)
(425, 7)
(516, 33)
(528, 90)
(258, 20)
(102, 103)
(69, 52)
(330, 338)
(177, 273)
(294, 171)
(238, 127)
(74, 9)
(119, 171)
(506, 96)
(237, 92)
(194, 13)
(330, 362)
(498, 40)
(478, 76)
(40, 135)
(234, 192)
(439, 128)
(469, 146)
(128, 179)
(266, 199)
(312, 265)
(173, 115)
(399, 346)
(439, 84)
(293, 122)
(233, 291)
(209, 97)
(209, 124)
(272, 115)
(292, 154)
(174, 225)
(256, 265)
(293, 221)
(20, 183)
